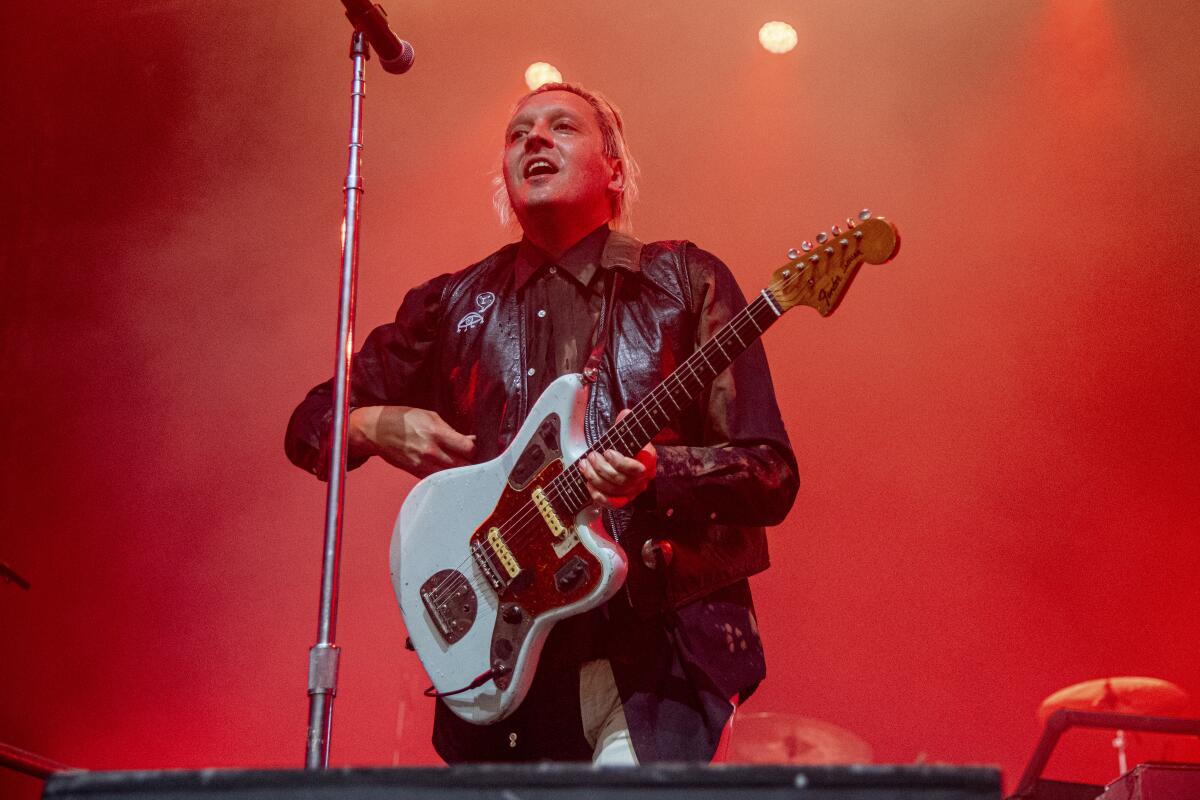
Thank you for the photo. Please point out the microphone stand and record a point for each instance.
(323, 656)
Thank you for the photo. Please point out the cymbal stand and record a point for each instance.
(1118, 742)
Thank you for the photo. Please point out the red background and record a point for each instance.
(996, 432)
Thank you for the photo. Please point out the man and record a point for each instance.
(653, 674)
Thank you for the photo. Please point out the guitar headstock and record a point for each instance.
(818, 274)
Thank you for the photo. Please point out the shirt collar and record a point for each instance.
(580, 262)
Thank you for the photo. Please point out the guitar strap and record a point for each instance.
(622, 253)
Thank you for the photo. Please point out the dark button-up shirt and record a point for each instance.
(562, 300)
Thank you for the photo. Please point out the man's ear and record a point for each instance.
(616, 184)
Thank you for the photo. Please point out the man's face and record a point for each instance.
(554, 157)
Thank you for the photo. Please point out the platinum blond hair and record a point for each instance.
(612, 130)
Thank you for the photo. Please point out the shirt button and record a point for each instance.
(553, 270)
(670, 512)
(541, 312)
(531, 371)
(713, 515)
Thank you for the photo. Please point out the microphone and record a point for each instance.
(395, 54)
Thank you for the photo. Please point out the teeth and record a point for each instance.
(538, 164)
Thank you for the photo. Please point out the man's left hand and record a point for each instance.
(614, 479)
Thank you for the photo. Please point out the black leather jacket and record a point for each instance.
(725, 466)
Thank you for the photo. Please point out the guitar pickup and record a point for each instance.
(565, 537)
(548, 513)
(502, 551)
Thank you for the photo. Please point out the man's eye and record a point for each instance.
(514, 135)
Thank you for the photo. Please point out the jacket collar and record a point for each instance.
(599, 249)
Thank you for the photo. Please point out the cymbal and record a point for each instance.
(1124, 695)
(767, 737)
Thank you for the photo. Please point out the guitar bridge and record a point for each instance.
(489, 569)
(451, 603)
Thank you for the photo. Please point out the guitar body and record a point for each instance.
(483, 565)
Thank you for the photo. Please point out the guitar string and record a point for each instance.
(529, 514)
(569, 478)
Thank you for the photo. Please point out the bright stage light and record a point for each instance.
(777, 37)
(539, 72)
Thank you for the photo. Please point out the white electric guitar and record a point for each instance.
(486, 558)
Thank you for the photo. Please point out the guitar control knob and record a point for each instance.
(513, 614)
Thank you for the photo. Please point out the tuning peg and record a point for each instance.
(835, 230)
(850, 223)
(865, 214)
(822, 237)
(793, 254)
(806, 245)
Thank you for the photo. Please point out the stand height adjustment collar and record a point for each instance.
(323, 668)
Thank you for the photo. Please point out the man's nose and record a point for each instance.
(538, 136)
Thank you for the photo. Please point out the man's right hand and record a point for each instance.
(412, 439)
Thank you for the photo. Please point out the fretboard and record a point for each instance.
(676, 392)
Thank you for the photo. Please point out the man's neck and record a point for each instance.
(556, 235)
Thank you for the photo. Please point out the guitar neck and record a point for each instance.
(693, 376)
(679, 389)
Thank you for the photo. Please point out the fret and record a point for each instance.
(628, 439)
(674, 399)
(766, 295)
(569, 492)
(580, 485)
(576, 491)
(661, 411)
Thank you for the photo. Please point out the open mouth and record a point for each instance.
(539, 166)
